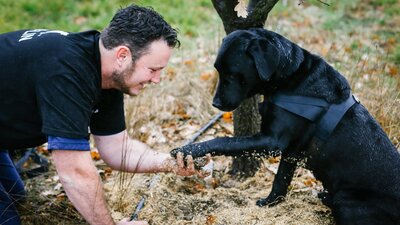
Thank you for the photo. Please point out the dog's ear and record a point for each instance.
(265, 55)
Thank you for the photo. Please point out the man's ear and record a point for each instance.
(266, 57)
(123, 54)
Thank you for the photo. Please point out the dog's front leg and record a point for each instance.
(281, 183)
(233, 146)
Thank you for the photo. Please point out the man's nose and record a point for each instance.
(156, 78)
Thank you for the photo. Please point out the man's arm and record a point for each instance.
(82, 184)
(125, 154)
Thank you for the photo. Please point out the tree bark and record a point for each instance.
(257, 14)
(246, 121)
(246, 117)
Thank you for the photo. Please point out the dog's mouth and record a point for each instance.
(225, 108)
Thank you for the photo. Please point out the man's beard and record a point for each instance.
(120, 78)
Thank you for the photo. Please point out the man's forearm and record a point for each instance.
(125, 154)
(83, 186)
(137, 157)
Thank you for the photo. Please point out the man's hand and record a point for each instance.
(179, 166)
(189, 167)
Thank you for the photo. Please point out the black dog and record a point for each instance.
(308, 115)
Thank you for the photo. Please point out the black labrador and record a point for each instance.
(308, 115)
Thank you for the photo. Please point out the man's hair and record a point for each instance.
(137, 27)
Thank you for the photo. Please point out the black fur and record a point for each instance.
(358, 165)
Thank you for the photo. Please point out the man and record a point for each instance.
(58, 87)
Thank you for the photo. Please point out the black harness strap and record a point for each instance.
(317, 110)
(332, 117)
(307, 107)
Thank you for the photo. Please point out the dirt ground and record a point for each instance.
(166, 115)
(187, 200)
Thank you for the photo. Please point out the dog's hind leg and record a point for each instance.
(281, 183)
(361, 214)
(357, 207)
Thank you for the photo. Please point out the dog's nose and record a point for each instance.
(217, 103)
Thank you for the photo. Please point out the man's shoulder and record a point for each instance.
(88, 34)
(53, 39)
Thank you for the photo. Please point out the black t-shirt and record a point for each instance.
(51, 86)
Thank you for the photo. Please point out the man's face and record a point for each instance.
(147, 69)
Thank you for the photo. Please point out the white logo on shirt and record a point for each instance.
(29, 34)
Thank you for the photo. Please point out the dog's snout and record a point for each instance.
(217, 103)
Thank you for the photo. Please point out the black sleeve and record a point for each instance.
(108, 116)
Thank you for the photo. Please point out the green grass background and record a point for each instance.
(80, 15)
(193, 18)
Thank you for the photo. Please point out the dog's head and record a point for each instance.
(248, 60)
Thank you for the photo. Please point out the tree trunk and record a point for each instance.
(246, 117)
(246, 121)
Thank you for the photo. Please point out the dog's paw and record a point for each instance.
(195, 150)
(185, 150)
(175, 152)
(269, 201)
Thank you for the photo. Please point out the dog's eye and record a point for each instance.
(235, 78)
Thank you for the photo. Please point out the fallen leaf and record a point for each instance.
(108, 170)
(310, 182)
(206, 76)
(61, 197)
(392, 41)
(42, 150)
(211, 219)
(241, 9)
(376, 37)
(199, 187)
(348, 49)
(393, 71)
(171, 73)
(95, 155)
(189, 63)
(324, 51)
(227, 117)
(274, 159)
